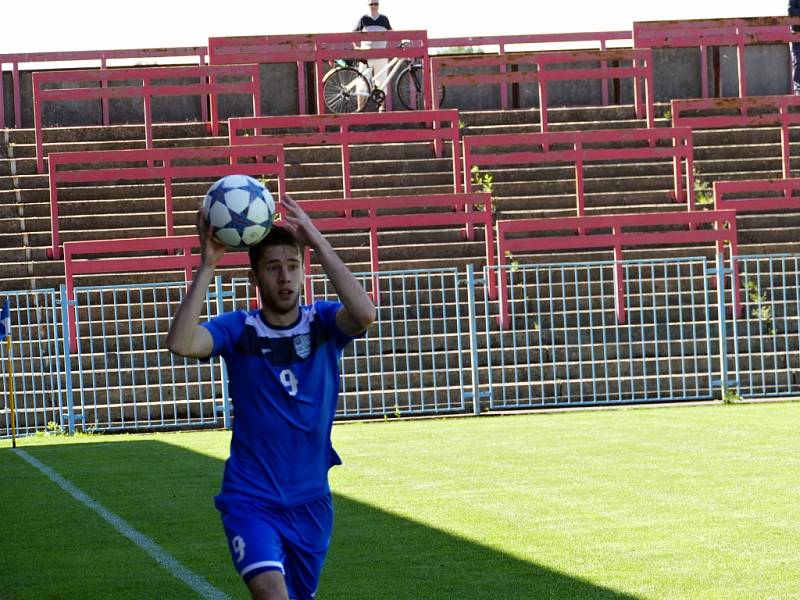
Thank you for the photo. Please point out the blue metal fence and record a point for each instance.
(127, 378)
(436, 349)
(36, 357)
(565, 347)
(411, 361)
(765, 336)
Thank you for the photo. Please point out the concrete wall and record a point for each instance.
(677, 75)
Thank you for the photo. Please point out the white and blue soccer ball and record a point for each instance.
(239, 211)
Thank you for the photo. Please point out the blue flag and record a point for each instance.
(5, 321)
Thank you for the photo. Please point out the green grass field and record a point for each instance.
(678, 502)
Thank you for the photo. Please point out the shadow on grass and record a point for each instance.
(166, 492)
(375, 554)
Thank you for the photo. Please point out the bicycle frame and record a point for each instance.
(344, 91)
(392, 67)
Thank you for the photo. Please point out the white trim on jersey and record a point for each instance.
(263, 563)
(303, 325)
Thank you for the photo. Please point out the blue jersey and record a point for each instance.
(284, 383)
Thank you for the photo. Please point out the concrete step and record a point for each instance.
(742, 136)
(555, 114)
(23, 152)
(121, 132)
(553, 127)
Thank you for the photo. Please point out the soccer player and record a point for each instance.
(283, 369)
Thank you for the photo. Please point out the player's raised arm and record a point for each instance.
(358, 311)
(186, 337)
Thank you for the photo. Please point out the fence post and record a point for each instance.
(723, 325)
(66, 305)
(473, 340)
(226, 404)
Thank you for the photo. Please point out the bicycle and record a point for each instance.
(344, 85)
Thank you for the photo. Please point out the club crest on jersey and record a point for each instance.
(302, 345)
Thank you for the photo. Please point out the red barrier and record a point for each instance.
(580, 147)
(182, 252)
(503, 43)
(410, 212)
(724, 230)
(179, 253)
(147, 90)
(267, 49)
(549, 39)
(754, 111)
(757, 195)
(705, 33)
(439, 126)
(544, 67)
(82, 56)
(319, 49)
(82, 167)
(332, 46)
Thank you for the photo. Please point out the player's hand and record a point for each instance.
(211, 250)
(299, 224)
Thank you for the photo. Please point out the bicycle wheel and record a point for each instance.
(410, 90)
(341, 89)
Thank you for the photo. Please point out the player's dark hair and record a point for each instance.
(277, 236)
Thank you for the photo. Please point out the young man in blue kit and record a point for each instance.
(283, 370)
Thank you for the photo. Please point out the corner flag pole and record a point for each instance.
(10, 373)
(5, 332)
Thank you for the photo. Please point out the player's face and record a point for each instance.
(373, 7)
(279, 278)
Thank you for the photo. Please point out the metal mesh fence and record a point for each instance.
(565, 344)
(766, 337)
(32, 355)
(431, 350)
(126, 376)
(411, 360)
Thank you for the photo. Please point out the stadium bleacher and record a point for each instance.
(404, 165)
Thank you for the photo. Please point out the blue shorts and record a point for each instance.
(264, 538)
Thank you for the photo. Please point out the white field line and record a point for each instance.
(161, 556)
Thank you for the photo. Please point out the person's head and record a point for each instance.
(373, 7)
(276, 269)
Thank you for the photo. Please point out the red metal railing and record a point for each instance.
(181, 253)
(319, 49)
(705, 33)
(176, 253)
(402, 213)
(147, 90)
(754, 111)
(609, 231)
(580, 147)
(373, 216)
(439, 126)
(537, 67)
(504, 41)
(21, 58)
(601, 38)
(757, 195)
(267, 49)
(100, 166)
(169, 253)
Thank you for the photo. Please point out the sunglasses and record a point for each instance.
(373, 4)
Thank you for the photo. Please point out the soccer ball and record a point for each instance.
(239, 211)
